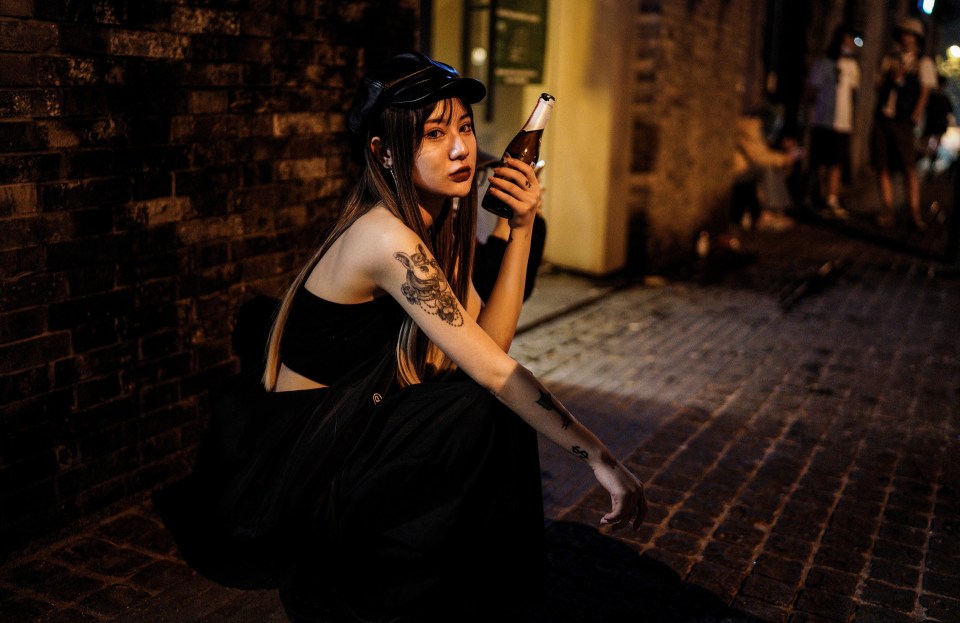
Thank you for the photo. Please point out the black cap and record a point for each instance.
(408, 80)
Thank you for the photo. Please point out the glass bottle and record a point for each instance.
(524, 146)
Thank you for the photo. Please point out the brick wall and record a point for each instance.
(688, 78)
(161, 163)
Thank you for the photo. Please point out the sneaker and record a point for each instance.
(835, 210)
(839, 213)
(771, 221)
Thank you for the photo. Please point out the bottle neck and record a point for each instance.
(539, 116)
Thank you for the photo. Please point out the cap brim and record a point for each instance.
(432, 90)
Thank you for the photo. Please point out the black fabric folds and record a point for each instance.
(363, 502)
(263, 472)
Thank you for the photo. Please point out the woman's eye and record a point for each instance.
(466, 128)
(435, 133)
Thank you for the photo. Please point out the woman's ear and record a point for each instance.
(381, 151)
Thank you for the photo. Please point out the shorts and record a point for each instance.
(894, 146)
(829, 147)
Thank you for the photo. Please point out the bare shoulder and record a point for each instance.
(380, 234)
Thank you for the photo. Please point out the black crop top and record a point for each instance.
(324, 340)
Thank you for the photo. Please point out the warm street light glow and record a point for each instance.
(927, 6)
(953, 51)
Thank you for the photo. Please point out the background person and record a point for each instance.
(832, 87)
(905, 80)
(938, 116)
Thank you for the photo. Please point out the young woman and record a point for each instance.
(397, 473)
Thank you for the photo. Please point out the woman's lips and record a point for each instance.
(461, 175)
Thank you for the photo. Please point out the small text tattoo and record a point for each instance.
(427, 287)
(580, 452)
(546, 401)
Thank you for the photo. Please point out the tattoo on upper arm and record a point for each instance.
(546, 401)
(427, 287)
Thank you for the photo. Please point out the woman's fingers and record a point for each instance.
(517, 180)
(626, 512)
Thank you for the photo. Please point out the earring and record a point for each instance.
(393, 174)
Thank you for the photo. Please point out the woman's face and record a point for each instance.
(445, 163)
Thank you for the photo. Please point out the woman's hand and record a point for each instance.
(517, 185)
(628, 503)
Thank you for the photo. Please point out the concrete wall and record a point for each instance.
(641, 143)
(160, 165)
(689, 61)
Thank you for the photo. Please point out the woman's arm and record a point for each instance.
(517, 185)
(410, 275)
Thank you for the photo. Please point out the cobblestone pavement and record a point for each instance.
(801, 464)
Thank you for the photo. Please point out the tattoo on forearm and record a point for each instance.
(546, 401)
(427, 287)
(580, 452)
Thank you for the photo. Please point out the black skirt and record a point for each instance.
(364, 504)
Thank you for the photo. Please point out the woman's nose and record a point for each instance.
(459, 150)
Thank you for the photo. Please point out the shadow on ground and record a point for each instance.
(593, 578)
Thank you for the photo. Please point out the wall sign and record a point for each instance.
(520, 33)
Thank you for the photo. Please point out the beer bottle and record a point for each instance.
(524, 146)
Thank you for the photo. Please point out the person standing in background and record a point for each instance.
(832, 86)
(906, 79)
(938, 117)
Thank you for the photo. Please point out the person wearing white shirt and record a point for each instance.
(832, 86)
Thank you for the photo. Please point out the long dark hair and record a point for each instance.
(451, 242)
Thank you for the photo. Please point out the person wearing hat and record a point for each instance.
(905, 80)
(387, 469)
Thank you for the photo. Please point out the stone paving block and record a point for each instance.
(102, 557)
(831, 580)
(739, 533)
(941, 583)
(720, 580)
(855, 541)
(869, 613)
(840, 558)
(788, 547)
(756, 611)
(825, 604)
(910, 537)
(112, 600)
(894, 573)
(33, 573)
(70, 615)
(180, 601)
(728, 554)
(21, 608)
(941, 562)
(162, 574)
(69, 588)
(889, 596)
(768, 590)
(261, 606)
(680, 543)
(693, 523)
(941, 608)
(777, 568)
